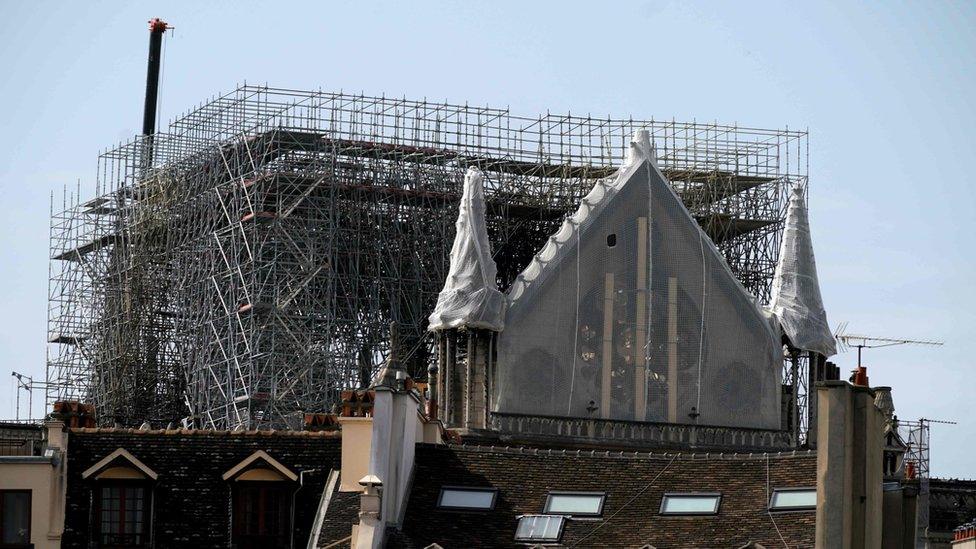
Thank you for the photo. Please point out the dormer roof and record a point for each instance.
(260, 459)
(120, 457)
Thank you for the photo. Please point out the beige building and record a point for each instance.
(32, 467)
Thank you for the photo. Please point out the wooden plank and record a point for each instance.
(640, 352)
(672, 350)
(75, 254)
(607, 346)
(468, 379)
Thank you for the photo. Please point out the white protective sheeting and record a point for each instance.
(630, 312)
(796, 299)
(470, 296)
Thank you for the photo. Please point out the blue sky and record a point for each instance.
(884, 89)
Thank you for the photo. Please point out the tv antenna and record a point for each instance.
(26, 383)
(848, 341)
(942, 421)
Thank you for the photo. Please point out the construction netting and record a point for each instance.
(629, 312)
(470, 296)
(796, 299)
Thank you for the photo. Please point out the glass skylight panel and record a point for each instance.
(540, 528)
(690, 504)
(471, 499)
(791, 499)
(575, 503)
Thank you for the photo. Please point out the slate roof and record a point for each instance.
(634, 484)
(337, 523)
(191, 501)
(951, 502)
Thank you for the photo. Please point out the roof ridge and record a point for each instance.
(207, 432)
(624, 454)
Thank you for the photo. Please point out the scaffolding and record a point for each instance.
(917, 436)
(241, 268)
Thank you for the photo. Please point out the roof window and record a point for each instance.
(690, 503)
(546, 528)
(577, 504)
(793, 499)
(467, 498)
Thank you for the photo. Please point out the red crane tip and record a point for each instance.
(158, 25)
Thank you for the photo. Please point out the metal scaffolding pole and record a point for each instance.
(251, 271)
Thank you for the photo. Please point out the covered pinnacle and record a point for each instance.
(470, 296)
(796, 299)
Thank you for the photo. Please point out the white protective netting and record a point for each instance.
(470, 296)
(796, 299)
(629, 312)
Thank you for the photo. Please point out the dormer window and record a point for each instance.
(121, 508)
(122, 497)
(262, 491)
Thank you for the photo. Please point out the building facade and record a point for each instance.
(192, 488)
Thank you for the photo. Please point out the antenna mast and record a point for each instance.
(847, 341)
(27, 385)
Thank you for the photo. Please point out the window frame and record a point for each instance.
(283, 488)
(792, 508)
(147, 510)
(664, 500)
(494, 498)
(30, 504)
(598, 513)
(559, 536)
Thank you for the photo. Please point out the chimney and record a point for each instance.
(432, 389)
(394, 428)
(849, 466)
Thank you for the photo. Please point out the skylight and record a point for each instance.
(793, 499)
(575, 503)
(540, 528)
(467, 498)
(690, 504)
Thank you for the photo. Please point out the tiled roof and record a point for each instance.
(206, 432)
(951, 502)
(191, 501)
(337, 524)
(634, 483)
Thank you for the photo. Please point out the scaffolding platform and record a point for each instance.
(334, 213)
(76, 253)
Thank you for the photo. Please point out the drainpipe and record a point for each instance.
(294, 494)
